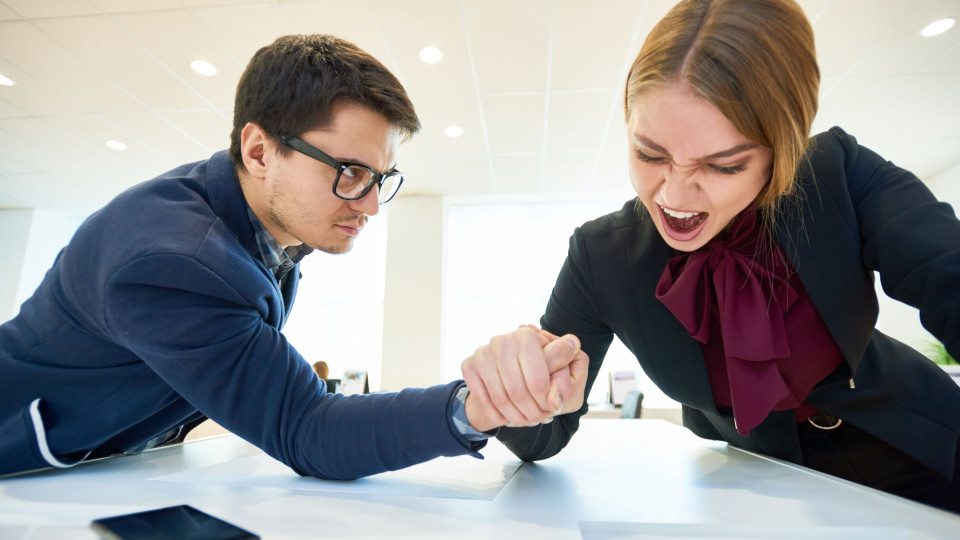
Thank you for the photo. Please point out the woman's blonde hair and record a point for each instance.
(754, 60)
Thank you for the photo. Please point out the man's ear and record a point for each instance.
(256, 149)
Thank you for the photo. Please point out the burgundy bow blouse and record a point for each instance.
(764, 343)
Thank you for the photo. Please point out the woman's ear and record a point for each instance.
(256, 147)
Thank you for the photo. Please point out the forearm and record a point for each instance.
(354, 436)
(543, 441)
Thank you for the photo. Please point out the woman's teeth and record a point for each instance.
(683, 221)
(679, 215)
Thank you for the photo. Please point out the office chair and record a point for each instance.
(632, 403)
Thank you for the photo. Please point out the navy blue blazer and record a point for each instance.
(855, 214)
(159, 312)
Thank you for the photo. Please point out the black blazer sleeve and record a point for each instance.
(908, 237)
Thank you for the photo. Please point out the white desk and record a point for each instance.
(616, 479)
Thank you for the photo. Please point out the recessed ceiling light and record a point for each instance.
(6, 81)
(937, 27)
(431, 55)
(453, 130)
(115, 145)
(204, 68)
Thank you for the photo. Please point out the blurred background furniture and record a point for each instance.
(632, 403)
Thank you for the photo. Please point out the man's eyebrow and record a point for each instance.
(743, 147)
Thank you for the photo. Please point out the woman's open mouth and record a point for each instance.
(682, 226)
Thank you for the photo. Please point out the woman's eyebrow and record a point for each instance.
(732, 151)
(743, 147)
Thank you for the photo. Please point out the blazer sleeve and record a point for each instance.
(202, 330)
(573, 308)
(909, 237)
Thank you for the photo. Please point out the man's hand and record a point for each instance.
(524, 378)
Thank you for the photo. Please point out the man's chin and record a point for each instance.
(337, 249)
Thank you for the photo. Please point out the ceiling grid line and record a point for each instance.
(484, 132)
(546, 98)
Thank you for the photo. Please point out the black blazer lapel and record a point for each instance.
(817, 229)
(671, 358)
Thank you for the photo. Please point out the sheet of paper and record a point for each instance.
(461, 477)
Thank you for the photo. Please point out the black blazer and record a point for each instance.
(854, 214)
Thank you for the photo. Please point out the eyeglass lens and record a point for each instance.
(355, 181)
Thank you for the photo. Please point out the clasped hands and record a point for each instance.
(524, 378)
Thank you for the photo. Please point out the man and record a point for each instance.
(166, 306)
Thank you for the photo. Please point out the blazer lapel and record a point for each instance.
(823, 244)
(672, 359)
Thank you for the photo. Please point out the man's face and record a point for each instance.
(297, 203)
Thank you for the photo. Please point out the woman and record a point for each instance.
(742, 275)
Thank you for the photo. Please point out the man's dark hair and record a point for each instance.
(292, 85)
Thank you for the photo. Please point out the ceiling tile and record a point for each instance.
(509, 52)
(847, 43)
(169, 142)
(32, 96)
(411, 26)
(61, 70)
(568, 172)
(114, 52)
(242, 30)
(454, 175)
(7, 14)
(891, 106)
(153, 30)
(514, 122)
(211, 129)
(44, 145)
(435, 115)
(517, 173)
(602, 60)
(32, 9)
(577, 120)
(9, 110)
(521, 78)
(352, 21)
(903, 49)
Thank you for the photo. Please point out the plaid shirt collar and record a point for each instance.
(278, 260)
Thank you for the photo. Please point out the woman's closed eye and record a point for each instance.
(734, 169)
(648, 158)
(726, 170)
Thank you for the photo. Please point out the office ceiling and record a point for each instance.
(535, 85)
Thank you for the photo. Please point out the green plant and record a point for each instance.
(939, 355)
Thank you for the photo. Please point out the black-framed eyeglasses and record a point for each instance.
(353, 180)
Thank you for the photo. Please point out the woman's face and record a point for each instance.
(690, 167)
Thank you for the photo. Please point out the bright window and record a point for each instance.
(501, 262)
(338, 314)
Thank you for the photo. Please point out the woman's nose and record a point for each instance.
(678, 181)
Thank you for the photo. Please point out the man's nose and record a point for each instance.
(369, 204)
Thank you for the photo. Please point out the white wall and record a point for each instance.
(412, 309)
(946, 186)
(900, 320)
(30, 242)
(15, 225)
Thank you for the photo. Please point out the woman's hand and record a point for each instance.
(524, 378)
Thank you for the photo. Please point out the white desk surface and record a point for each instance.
(616, 479)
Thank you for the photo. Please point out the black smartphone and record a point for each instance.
(175, 522)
